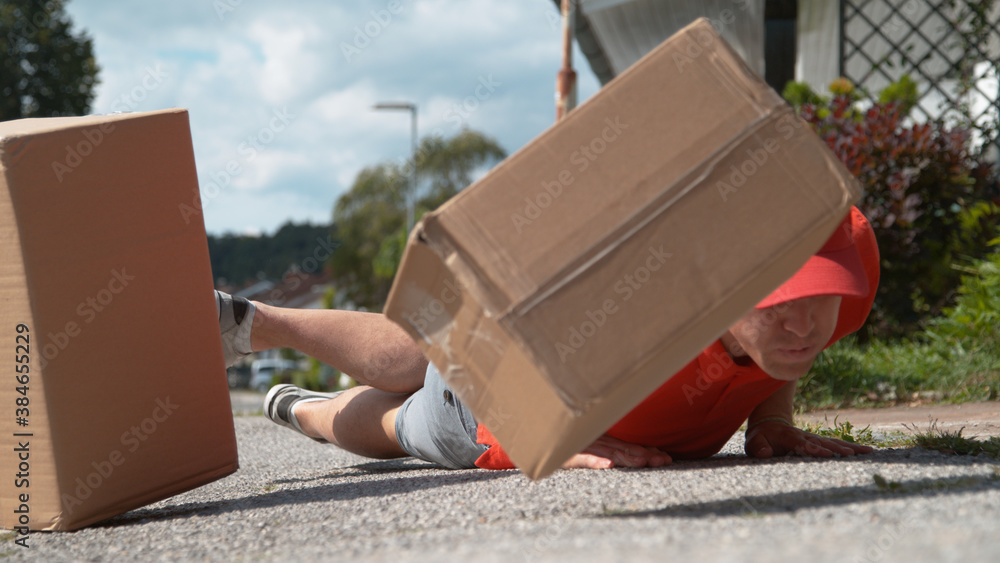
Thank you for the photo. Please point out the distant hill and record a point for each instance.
(240, 259)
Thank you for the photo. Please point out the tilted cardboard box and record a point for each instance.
(115, 393)
(578, 275)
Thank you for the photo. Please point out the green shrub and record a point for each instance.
(957, 358)
(904, 92)
(799, 94)
(975, 318)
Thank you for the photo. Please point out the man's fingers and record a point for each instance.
(819, 447)
(607, 444)
(588, 461)
(847, 448)
(625, 458)
(827, 447)
(812, 449)
(758, 446)
(659, 458)
(604, 457)
(610, 452)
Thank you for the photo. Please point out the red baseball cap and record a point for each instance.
(835, 270)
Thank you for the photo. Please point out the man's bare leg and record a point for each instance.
(366, 346)
(361, 420)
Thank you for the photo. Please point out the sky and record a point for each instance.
(280, 95)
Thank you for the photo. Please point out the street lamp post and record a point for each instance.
(412, 192)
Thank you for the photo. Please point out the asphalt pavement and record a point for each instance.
(296, 500)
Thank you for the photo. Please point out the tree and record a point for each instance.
(240, 259)
(370, 219)
(45, 70)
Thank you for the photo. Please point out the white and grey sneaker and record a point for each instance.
(235, 320)
(281, 399)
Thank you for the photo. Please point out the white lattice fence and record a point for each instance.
(881, 40)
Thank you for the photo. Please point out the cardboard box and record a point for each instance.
(106, 297)
(582, 272)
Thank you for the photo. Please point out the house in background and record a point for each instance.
(870, 42)
(297, 290)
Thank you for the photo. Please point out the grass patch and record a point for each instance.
(864, 436)
(845, 431)
(905, 372)
(956, 444)
(948, 442)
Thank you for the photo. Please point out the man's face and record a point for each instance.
(785, 339)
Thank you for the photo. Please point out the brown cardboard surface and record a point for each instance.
(107, 267)
(578, 275)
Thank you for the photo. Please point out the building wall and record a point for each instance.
(817, 60)
(628, 29)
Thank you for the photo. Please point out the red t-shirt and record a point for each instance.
(698, 410)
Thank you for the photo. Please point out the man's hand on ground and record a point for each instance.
(607, 452)
(774, 438)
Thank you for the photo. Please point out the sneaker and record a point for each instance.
(235, 319)
(281, 398)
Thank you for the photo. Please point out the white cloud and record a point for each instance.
(292, 59)
(235, 70)
(349, 105)
(268, 169)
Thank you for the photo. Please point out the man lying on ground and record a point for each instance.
(404, 408)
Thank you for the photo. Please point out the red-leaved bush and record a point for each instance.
(928, 198)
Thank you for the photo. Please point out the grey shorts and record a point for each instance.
(433, 425)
